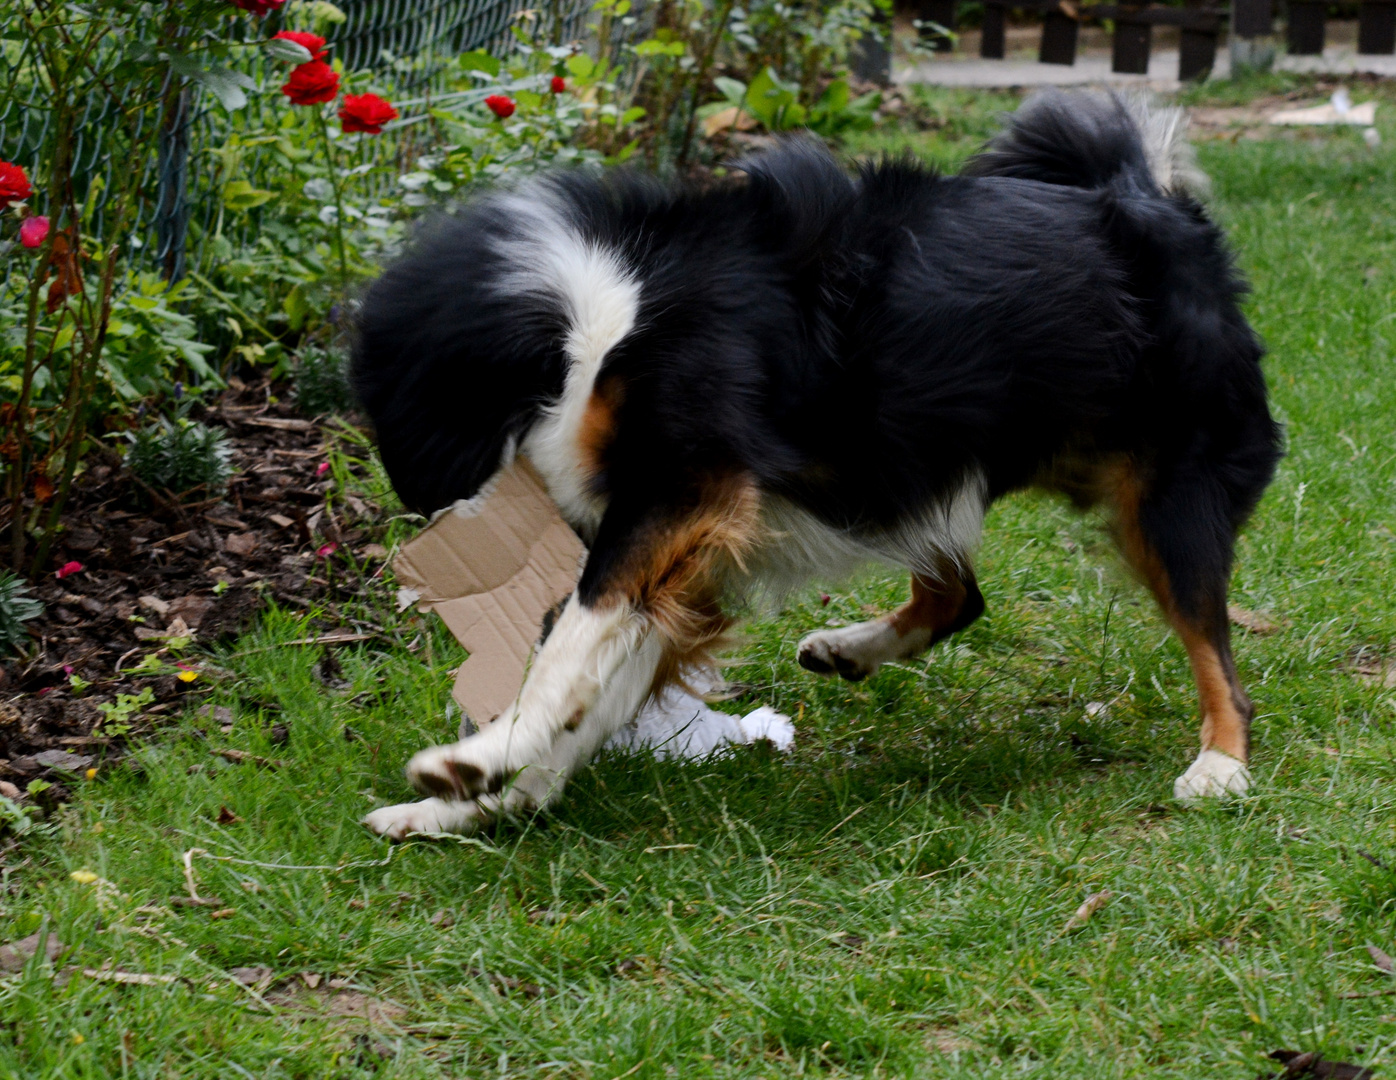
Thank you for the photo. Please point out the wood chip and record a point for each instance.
(243, 544)
(155, 604)
(130, 978)
(282, 520)
(223, 913)
(277, 423)
(310, 978)
(1382, 960)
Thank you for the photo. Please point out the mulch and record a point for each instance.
(156, 572)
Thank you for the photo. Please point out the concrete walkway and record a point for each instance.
(1094, 69)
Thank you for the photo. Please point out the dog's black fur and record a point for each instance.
(860, 345)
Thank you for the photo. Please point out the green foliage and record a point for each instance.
(117, 715)
(321, 381)
(17, 607)
(180, 456)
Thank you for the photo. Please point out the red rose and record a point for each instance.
(312, 83)
(558, 85)
(33, 231)
(503, 107)
(258, 7)
(14, 184)
(311, 43)
(365, 112)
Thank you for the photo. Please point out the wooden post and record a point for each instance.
(1376, 28)
(1197, 53)
(871, 55)
(1304, 33)
(1058, 38)
(1130, 50)
(1252, 22)
(991, 33)
(942, 13)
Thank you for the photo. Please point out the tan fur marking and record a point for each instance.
(598, 426)
(934, 605)
(1224, 706)
(677, 577)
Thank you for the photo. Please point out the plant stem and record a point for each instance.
(338, 198)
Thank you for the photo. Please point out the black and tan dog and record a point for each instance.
(803, 371)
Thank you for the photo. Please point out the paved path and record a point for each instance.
(1094, 69)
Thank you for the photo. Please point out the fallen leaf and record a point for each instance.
(243, 544)
(227, 817)
(278, 424)
(373, 551)
(853, 942)
(310, 978)
(61, 759)
(8, 789)
(1092, 904)
(1255, 622)
(258, 977)
(191, 609)
(1382, 960)
(223, 913)
(282, 520)
(196, 901)
(16, 954)
(154, 604)
(726, 119)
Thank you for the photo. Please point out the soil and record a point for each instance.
(157, 574)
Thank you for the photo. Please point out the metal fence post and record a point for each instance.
(172, 191)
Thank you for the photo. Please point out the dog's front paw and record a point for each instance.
(463, 770)
(854, 652)
(1213, 775)
(427, 816)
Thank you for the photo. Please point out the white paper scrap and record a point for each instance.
(679, 725)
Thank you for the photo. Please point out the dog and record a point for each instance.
(801, 371)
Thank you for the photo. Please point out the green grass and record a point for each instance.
(890, 900)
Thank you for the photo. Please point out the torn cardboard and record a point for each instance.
(492, 567)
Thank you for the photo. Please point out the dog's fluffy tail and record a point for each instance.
(1088, 140)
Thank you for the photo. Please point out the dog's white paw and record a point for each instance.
(854, 652)
(427, 816)
(1213, 775)
(467, 769)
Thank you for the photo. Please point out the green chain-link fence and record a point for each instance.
(403, 42)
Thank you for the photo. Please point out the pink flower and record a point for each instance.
(503, 107)
(67, 669)
(67, 569)
(326, 550)
(33, 231)
(558, 85)
(322, 468)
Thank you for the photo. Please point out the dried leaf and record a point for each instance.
(1382, 960)
(1093, 903)
(310, 978)
(242, 757)
(227, 817)
(223, 913)
(195, 901)
(258, 977)
(1255, 622)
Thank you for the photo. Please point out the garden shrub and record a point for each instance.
(17, 607)
(180, 456)
(321, 381)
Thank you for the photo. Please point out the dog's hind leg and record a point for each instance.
(939, 606)
(1177, 533)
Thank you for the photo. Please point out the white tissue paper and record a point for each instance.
(678, 724)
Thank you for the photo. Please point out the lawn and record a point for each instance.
(891, 899)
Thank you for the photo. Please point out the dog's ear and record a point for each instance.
(449, 365)
(800, 192)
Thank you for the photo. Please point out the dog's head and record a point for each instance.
(454, 357)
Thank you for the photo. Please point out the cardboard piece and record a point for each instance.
(1364, 115)
(492, 567)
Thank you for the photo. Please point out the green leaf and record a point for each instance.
(655, 47)
(528, 98)
(733, 90)
(296, 307)
(479, 60)
(631, 115)
(229, 87)
(581, 65)
(290, 51)
(240, 195)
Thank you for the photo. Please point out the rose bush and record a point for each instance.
(366, 113)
